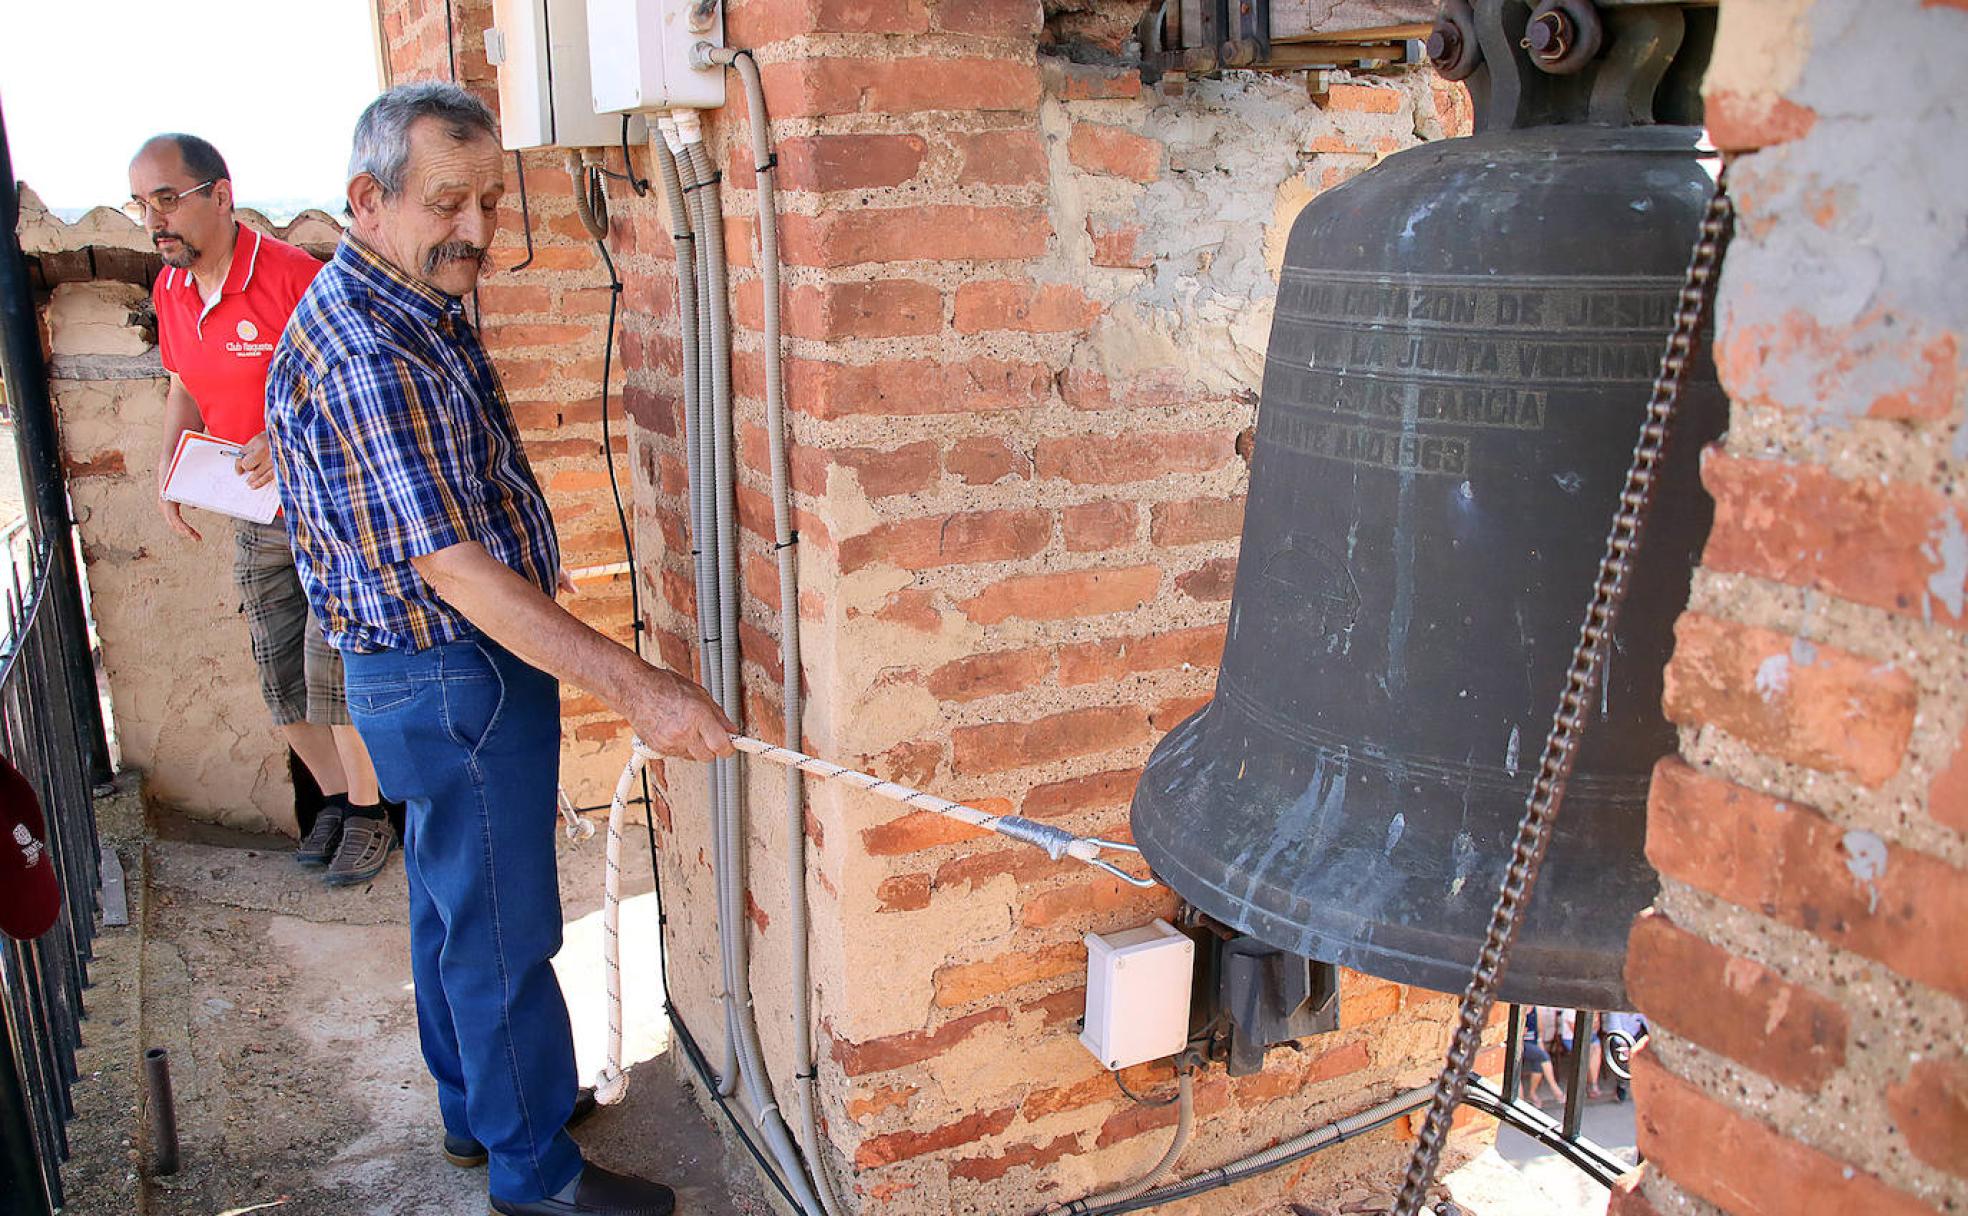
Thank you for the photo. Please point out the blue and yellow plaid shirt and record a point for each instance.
(392, 439)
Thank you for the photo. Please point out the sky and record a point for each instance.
(275, 84)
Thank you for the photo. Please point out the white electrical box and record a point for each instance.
(540, 48)
(640, 51)
(1138, 994)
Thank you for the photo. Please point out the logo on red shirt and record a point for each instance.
(248, 331)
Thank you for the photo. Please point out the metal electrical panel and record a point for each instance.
(540, 48)
(641, 51)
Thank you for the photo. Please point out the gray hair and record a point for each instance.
(382, 134)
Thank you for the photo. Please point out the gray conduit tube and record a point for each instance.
(1185, 1121)
(1278, 1154)
(731, 879)
(695, 342)
(705, 547)
(804, 1073)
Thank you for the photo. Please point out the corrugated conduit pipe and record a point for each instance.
(765, 164)
(693, 282)
(715, 407)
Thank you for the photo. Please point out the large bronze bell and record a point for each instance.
(1462, 351)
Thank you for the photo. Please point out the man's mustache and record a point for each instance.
(453, 251)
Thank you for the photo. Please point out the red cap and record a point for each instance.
(30, 898)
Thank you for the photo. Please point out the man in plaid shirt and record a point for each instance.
(426, 547)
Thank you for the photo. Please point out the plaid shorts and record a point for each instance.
(300, 673)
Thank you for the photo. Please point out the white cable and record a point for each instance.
(612, 1083)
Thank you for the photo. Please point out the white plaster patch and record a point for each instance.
(1865, 857)
(1773, 677)
(1947, 547)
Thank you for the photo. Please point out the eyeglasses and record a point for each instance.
(163, 202)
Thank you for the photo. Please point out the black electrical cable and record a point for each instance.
(525, 212)
(1152, 1102)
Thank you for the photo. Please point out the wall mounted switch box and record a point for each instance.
(1138, 994)
(640, 51)
(540, 49)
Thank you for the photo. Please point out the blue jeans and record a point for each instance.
(468, 738)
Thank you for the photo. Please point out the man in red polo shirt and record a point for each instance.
(224, 297)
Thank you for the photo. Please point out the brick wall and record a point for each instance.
(1802, 967)
(1026, 304)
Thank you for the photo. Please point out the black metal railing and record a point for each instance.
(1564, 1134)
(52, 731)
(42, 981)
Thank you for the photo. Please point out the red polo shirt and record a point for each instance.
(221, 352)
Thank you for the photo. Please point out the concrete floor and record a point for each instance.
(287, 1011)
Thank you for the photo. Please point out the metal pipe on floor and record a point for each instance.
(160, 1114)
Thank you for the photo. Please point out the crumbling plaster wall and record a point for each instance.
(183, 691)
(1802, 968)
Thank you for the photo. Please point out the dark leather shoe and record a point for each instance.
(466, 1152)
(600, 1193)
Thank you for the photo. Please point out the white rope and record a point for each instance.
(613, 1083)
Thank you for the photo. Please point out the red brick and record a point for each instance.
(982, 461)
(1100, 896)
(989, 675)
(1793, 865)
(916, 386)
(962, 983)
(1931, 1108)
(516, 336)
(496, 298)
(1099, 1087)
(913, 1047)
(881, 472)
(1019, 863)
(814, 87)
(1212, 1095)
(1866, 541)
(1077, 593)
(1196, 521)
(1363, 999)
(993, 18)
(1744, 1166)
(849, 162)
(916, 831)
(1116, 243)
(1879, 366)
(1743, 123)
(1023, 306)
(1090, 390)
(999, 158)
(886, 308)
(1069, 81)
(914, 233)
(1813, 705)
(1170, 712)
(102, 464)
(900, 1146)
(1114, 152)
(1112, 658)
(997, 746)
(1076, 794)
(1364, 99)
(1734, 1007)
(1094, 526)
(959, 539)
(867, 17)
(1117, 459)
(1030, 1155)
(1947, 797)
(1211, 582)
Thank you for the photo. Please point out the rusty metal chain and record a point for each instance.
(1568, 723)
